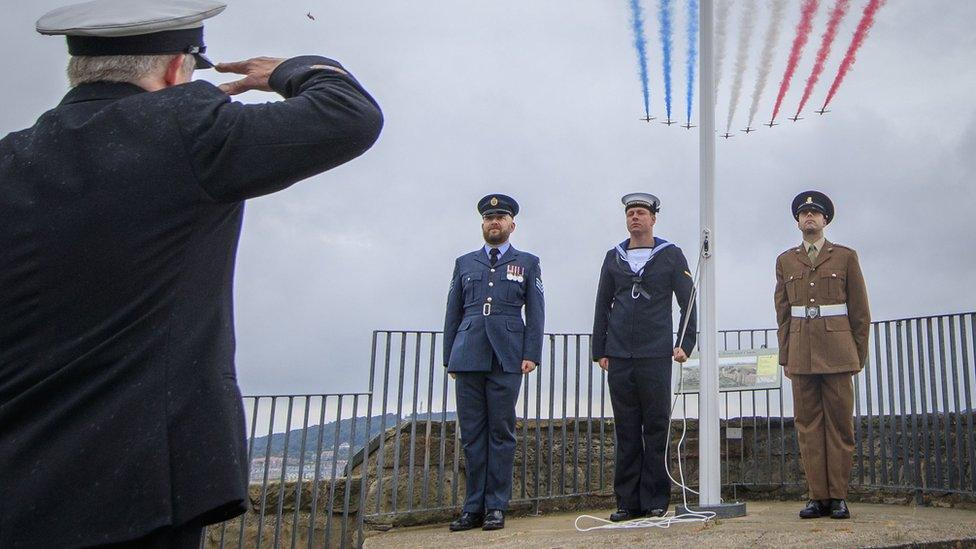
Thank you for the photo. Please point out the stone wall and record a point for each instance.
(570, 464)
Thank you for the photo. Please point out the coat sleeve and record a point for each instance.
(240, 151)
(782, 303)
(601, 315)
(535, 316)
(858, 311)
(684, 285)
(455, 311)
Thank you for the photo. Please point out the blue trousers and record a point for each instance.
(640, 392)
(486, 413)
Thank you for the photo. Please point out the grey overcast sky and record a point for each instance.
(540, 99)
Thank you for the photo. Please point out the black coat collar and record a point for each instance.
(97, 91)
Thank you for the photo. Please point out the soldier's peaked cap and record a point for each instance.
(494, 204)
(133, 27)
(813, 200)
(642, 200)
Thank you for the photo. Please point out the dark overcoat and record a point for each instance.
(120, 212)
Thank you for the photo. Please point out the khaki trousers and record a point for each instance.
(823, 405)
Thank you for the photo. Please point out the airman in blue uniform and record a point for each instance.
(633, 341)
(487, 350)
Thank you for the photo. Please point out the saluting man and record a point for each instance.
(488, 349)
(121, 421)
(823, 323)
(632, 341)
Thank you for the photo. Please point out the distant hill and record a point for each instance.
(329, 435)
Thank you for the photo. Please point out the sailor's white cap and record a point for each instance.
(644, 200)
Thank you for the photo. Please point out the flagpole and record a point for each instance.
(709, 473)
(709, 443)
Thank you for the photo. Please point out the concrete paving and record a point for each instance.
(768, 524)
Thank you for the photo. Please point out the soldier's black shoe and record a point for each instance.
(815, 509)
(467, 521)
(656, 512)
(625, 514)
(494, 520)
(839, 510)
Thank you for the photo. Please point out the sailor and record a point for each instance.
(633, 341)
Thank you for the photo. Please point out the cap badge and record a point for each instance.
(809, 200)
(493, 201)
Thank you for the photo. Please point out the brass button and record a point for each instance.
(834, 275)
(811, 299)
(492, 284)
(493, 270)
(811, 283)
(489, 300)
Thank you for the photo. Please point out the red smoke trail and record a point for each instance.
(808, 10)
(836, 14)
(867, 20)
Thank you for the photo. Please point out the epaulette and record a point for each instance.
(788, 251)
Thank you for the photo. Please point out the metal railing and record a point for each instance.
(913, 418)
(300, 493)
(321, 464)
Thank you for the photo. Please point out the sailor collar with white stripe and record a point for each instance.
(659, 245)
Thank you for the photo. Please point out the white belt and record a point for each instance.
(814, 311)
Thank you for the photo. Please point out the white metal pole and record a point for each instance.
(709, 472)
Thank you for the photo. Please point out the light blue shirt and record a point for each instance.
(502, 250)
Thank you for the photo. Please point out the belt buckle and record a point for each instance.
(813, 311)
(486, 309)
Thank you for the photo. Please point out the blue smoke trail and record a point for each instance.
(640, 43)
(664, 15)
(692, 53)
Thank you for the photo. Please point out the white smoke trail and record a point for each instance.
(721, 29)
(746, 28)
(777, 9)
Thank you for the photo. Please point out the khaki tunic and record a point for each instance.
(820, 355)
(827, 345)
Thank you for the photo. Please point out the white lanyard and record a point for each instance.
(636, 290)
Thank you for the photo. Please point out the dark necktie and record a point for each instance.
(493, 256)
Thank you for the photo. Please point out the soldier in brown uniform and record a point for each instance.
(823, 319)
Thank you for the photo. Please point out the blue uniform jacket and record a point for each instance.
(484, 312)
(641, 327)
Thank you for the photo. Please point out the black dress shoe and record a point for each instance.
(467, 521)
(658, 512)
(815, 509)
(494, 520)
(839, 510)
(625, 514)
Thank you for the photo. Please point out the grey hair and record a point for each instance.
(119, 68)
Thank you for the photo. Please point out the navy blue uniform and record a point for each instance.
(485, 342)
(120, 412)
(632, 326)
